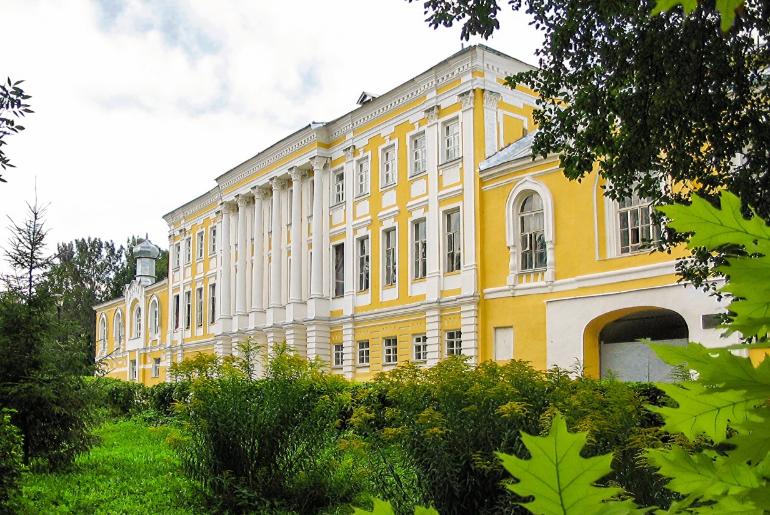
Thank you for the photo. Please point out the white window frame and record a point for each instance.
(199, 304)
(338, 355)
(388, 167)
(643, 208)
(418, 156)
(176, 310)
(103, 333)
(532, 236)
(154, 321)
(177, 254)
(187, 250)
(453, 260)
(453, 342)
(419, 249)
(389, 257)
(138, 321)
(199, 242)
(363, 172)
(213, 240)
(212, 303)
(364, 263)
(132, 369)
(338, 282)
(117, 329)
(390, 350)
(155, 367)
(338, 186)
(451, 140)
(363, 353)
(187, 309)
(420, 348)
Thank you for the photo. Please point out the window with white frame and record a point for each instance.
(132, 370)
(175, 313)
(636, 229)
(362, 176)
(450, 140)
(199, 307)
(138, 322)
(452, 240)
(199, 245)
(388, 166)
(419, 155)
(363, 263)
(389, 256)
(419, 249)
(103, 334)
(338, 186)
(363, 353)
(154, 318)
(454, 342)
(390, 350)
(532, 253)
(212, 303)
(118, 328)
(339, 355)
(187, 309)
(156, 367)
(420, 343)
(177, 254)
(338, 251)
(187, 250)
(213, 240)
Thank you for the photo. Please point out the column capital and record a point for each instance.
(431, 114)
(466, 98)
(350, 151)
(295, 174)
(318, 163)
(243, 199)
(259, 192)
(226, 206)
(491, 99)
(277, 183)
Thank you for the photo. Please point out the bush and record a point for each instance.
(269, 443)
(11, 457)
(119, 398)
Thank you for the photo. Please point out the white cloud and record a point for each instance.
(139, 105)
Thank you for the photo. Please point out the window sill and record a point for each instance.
(418, 280)
(453, 272)
(362, 292)
(451, 162)
(418, 174)
(389, 286)
(337, 367)
(363, 366)
(386, 187)
(337, 204)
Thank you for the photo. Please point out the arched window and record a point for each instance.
(137, 322)
(103, 334)
(154, 318)
(532, 250)
(118, 329)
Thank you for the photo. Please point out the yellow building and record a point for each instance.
(414, 227)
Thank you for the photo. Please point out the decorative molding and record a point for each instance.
(349, 152)
(432, 114)
(491, 99)
(318, 163)
(259, 192)
(466, 98)
(278, 184)
(295, 174)
(243, 200)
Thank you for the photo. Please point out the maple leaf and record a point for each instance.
(726, 9)
(381, 507)
(559, 479)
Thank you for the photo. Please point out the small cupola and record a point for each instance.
(146, 254)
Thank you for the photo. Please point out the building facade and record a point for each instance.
(415, 227)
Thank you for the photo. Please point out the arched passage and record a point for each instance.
(611, 343)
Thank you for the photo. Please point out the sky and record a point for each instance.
(140, 104)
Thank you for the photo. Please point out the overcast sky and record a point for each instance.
(140, 104)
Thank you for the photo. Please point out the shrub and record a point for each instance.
(11, 457)
(119, 398)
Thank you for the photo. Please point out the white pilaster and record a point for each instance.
(318, 340)
(469, 325)
(432, 232)
(348, 344)
(257, 283)
(296, 308)
(350, 283)
(491, 99)
(296, 338)
(433, 335)
(275, 312)
(225, 312)
(318, 305)
(241, 276)
(468, 274)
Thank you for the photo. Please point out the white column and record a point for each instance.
(432, 232)
(243, 251)
(295, 295)
(433, 335)
(224, 299)
(317, 306)
(275, 311)
(468, 228)
(491, 100)
(348, 305)
(469, 325)
(348, 344)
(257, 284)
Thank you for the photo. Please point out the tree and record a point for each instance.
(662, 105)
(13, 105)
(26, 252)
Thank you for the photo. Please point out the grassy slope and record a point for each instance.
(131, 470)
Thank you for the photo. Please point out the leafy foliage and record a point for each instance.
(13, 106)
(11, 457)
(726, 8)
(380, 507)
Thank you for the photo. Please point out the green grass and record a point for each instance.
(132, 470)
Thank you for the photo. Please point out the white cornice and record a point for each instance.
(195, 205)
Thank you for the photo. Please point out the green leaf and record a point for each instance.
(726, 9)
(752, 443)
(714, 227)
(666, 5)
(421, 510)
(380, 508)
(706, 410)
(560, 480)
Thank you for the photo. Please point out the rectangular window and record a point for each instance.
(362, 176)
(338, 184)
(363, 263)
(177, 254)
(176, 311)
(199, 245)
(199, 307)
(156, 367)
(213, 240)
(363, 353)
(388, 166)
(420, 347)
(187, 250)
(339, 355)
(452, 232)
(637, 229)
(454, 342)
(390, 350)
(451, 140)
(132, 370)
(419, 249)
(212, 303)
(419, 155)
(389, 251)
(339, 269)
(187, 308)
